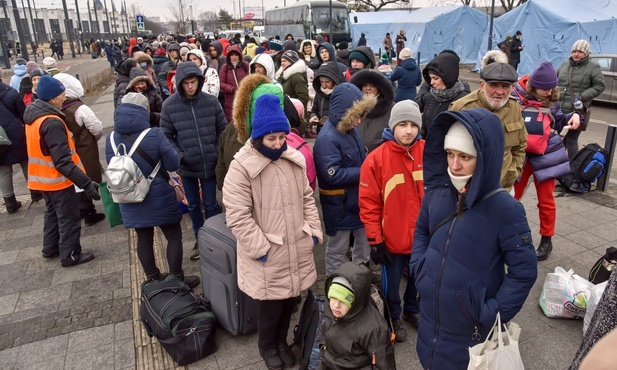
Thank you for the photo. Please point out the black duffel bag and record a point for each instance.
(180, 319)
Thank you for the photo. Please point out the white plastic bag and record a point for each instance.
(499, 351)
(594, 299)
(565, 295)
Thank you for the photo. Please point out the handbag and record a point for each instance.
(604, 266)
(180, 196)
(4, 138)
(499, 351)
(111, 208)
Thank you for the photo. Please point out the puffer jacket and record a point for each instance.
(123, 79)
(160, 206)
(514, 132)
(328, 46)
(11, 119)
(459, 271)
(409, 78)
(376, 121)
(250, 49)
(587, 83)
(294, 81)
(321, 103)
(391, 191)
(231, 77)
(167, 67)
(339, 153)
(271, 212)
(155, 101)
(361, 338)
(149, 68)
(193, 125)
(19, 71)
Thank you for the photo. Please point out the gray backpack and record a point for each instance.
(125, 181)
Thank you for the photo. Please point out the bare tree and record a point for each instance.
(180, 15)
(511, 4)
(376, 5)
(210, 20)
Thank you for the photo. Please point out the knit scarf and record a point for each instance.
(444, 95)
(272, 154)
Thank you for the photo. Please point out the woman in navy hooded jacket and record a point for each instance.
(459, 270)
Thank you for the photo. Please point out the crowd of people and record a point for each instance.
(404, 177)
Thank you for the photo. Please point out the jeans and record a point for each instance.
(145, 248)
(208, 189)
(6, 178)
(337, 246)
(391, 275)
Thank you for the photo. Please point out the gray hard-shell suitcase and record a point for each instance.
(234, 310)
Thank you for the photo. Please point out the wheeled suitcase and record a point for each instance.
(234, 310)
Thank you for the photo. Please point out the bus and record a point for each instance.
(305, 19)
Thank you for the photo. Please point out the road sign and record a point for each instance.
(141, 27)
(139, 18)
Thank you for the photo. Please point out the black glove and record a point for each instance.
(380, 254)
(92, 191)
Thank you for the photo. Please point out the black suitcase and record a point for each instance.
(234, 310)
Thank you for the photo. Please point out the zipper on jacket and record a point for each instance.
(201, 148)
(437, 288)
(476, 334)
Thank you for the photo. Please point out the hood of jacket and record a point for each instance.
(218, 47)
(143, 57)
(487, 132)
(330, 49)
(313, 48)
(368, 52)
(360, 278)
(266, 61)
(19, 70)
(200, 55)
(444, 65)
(251, 87)
(40, 108)
(137, 75)
(297, 67)
(235, 48)
(125, 68)
(130, 118)
(348, 105)
(493, 56)
(73, 87)
(386, 91)
(327, 69)
(188, 69)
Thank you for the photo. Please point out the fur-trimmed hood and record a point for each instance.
(313, 49)
(348, 105)
(385, 100)
(493, 56)
(297, 67)
(266, 61)
(251, 87)
(137, 74)
(143, 57)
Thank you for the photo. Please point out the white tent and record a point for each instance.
(550, 27)
(428, 30)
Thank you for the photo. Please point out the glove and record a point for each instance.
(315, 240)
(263, 258)
(380, 254)
(92, 191)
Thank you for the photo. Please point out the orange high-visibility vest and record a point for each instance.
(42, 172)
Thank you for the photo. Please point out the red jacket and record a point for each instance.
(391, 191)
(230, 77)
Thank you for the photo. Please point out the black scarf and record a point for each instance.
(272, 154)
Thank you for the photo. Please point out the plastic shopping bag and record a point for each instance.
(565, 295)
(594, 299)
(499, 351)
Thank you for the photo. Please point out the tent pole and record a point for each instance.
(490, 29)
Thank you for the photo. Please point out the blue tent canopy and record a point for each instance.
(550, 28)
(428, 30)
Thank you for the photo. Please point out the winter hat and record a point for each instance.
(384, 59)
(49, 62)
(38, 72)
(136, 99)
(290, 45)
(358, 55)
(405, 54)
(583, 46)
(499, 72)
(290, 56)
(341, 289)
(275, 44)
(259, 50)
(405, 111)
(268, 117)
(49, 88)
(518, 33)
(298, 105)
(544, 77)
(21, 61)
(458, 138)
(155, 44)
(31, 66)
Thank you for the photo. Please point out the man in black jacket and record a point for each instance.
(193, 122)
(516, 46)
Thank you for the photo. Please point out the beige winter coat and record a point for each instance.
(271, 210)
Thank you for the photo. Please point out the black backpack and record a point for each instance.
(585, 168)
(307, 334)
(603, 268)
(180, 319)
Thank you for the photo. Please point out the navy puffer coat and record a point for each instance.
(459, 271)
(12, 107)
(160, 206)
(409, 78)
(193, 125)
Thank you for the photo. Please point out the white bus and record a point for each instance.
(305, 19)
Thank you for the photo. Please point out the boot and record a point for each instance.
(190, 280)
(271, 358)
(545, 248)
(92, 218)
(287, 356)
(12, 205)
(194, 253)
(36, 195)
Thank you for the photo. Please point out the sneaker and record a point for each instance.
(412, 317)
(82, 258)
(194, 254)
(399, 331)
(271, 358)
(191, 280)
(287, 356)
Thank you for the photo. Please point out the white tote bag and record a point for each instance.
(499, 351)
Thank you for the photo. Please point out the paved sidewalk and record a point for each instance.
(84, 317)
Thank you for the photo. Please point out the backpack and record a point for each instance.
(585, 168)
(379, 300)
(125, 181)
(307, 334)
(604, 266)
(180, 319)
(538, 123)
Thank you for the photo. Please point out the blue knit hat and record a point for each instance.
(275, 45)
(49, 88)
(268, 117)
